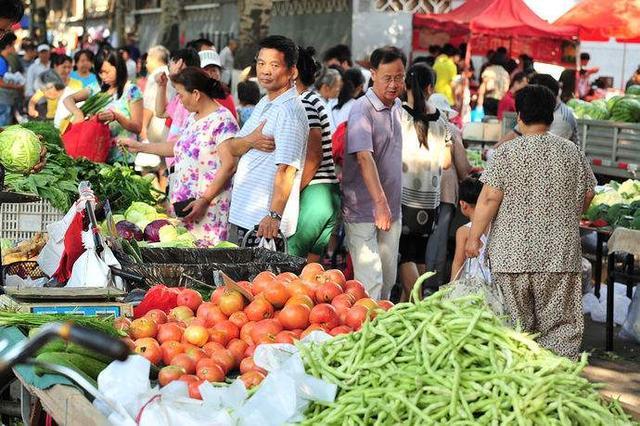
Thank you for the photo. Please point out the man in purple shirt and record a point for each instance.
(372, 175)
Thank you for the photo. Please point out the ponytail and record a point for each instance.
(419, 77)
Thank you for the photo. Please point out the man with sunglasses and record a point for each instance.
(372, 175)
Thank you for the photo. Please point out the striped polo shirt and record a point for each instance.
(286, 121)
(318, 117)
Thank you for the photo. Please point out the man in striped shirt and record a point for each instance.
(272, 147)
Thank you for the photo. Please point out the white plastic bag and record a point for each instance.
(631, 325)
(267, 243)
(90, 270)
(51, 254)
(472, 284)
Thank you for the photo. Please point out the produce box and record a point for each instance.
(172, 266)
(115, 309)
(20, 222)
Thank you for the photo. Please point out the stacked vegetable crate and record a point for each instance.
(20, 222)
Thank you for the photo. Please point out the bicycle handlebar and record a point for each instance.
(92, 339)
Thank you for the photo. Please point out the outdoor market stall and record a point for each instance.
(488, 24)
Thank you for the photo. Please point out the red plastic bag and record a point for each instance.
(338, 142)
(90, 139)
(158, 297)
(73, 249)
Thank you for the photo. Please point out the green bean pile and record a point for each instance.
(450, 362)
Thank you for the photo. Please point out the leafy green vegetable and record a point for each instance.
(595, 212)
(19, 149)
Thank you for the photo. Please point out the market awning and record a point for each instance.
(454, 22)
(504, 18)
(488, 24)
(601, 20)
(513, 18)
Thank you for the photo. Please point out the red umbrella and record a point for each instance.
(601, 20)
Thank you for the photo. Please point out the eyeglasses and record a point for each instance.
(387, 79)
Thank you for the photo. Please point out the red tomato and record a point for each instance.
(385, 304)
(237, 347)
(335, 276)
(184, 361)
(211, 373)
(252, 379)
(169, 331)
(217, 293)
(230, 329)
(158, 315)
(143, 327)
(326, 292)
(325, 315)
(265, 331)
(294, 316)
(194, 389)
(368, 303)
(356, 289)
(259, 309)
(341, 329)
(248, 364)
(230, 302)
(312, 272)
(245, 332)
(356, 316)
(209, 347)
(170, 348)
(170, 373)
(276, 294)
(261, 281)
(196, 335)
(239, 319)
(285, 336)
(149, 348)
(224, 358)
(190, 298)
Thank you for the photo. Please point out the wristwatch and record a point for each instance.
(275, 215)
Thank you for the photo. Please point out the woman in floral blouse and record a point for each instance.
(204, 165)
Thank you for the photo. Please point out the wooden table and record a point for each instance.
(66, 404)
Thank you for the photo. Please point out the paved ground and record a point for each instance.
(619, 370)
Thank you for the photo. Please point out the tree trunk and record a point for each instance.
(255, 18)
(170, 24)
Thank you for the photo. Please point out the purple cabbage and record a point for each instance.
(152, 230)
(129, 231)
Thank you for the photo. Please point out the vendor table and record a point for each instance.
(66, 404)
(621, 241)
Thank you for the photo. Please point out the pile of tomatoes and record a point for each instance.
(205, 341)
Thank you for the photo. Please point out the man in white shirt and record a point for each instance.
(153, 128)
(40, 65)
(227, 61)
(272, 146)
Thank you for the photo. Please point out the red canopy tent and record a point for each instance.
(455, 22)
(599, 21)
(492, 23)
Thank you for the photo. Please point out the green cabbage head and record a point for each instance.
(19, 149)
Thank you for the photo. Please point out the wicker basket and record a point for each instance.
(27, 269)
(20, 222)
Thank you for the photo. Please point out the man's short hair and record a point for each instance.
(450, 50)
(12, 10)
(386, 55)
(160, 52)
(339, 52)
(518, 77)
(535, 104)
(284, 45)
(547, 81)
(188, 55)
(584, 56)
(7, 40)
(197, 44)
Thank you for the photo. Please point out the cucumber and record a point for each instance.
(84, 364)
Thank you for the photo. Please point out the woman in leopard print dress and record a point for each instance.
(536, 188)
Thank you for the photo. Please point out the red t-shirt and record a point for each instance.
(506, 104)
(229, 104)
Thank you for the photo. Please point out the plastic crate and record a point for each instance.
(20, 222)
